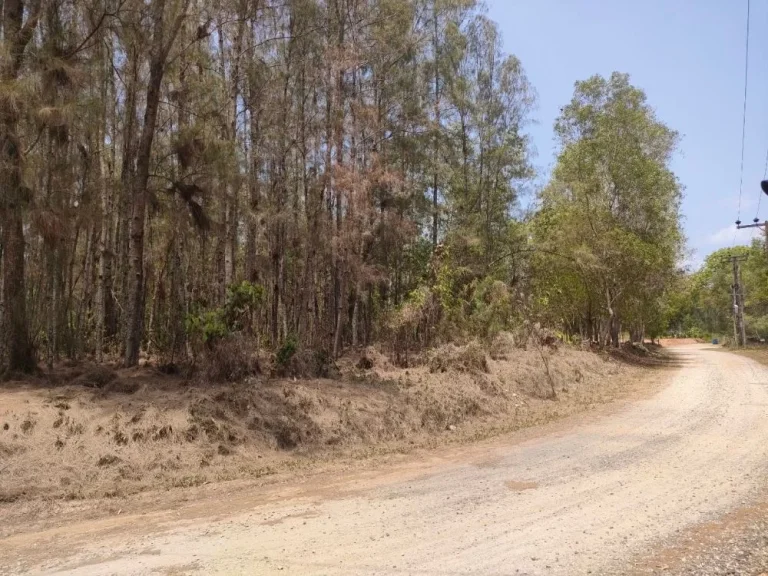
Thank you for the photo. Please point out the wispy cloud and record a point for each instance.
(726, 236)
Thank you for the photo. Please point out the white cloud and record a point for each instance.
(725, 236)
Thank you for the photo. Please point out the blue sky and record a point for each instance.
(688, 56)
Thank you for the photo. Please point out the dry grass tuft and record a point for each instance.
(231, 360)
(96, 377)
(469, 358)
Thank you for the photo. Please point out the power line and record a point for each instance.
(744, 115)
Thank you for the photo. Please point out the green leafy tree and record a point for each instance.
(703, 304)
(609, 218)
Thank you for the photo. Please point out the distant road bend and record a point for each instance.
(587, 499)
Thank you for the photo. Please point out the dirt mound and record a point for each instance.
(666, 342)
(116, 432)
(650, 355)
(96, 377)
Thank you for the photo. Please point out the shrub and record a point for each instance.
(236, 315)
(284, 354)
(207, 326)
(242, 301)
(217, 333)
(491, 308)
(231, 359)
(412, 325)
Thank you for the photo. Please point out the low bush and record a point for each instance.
(231, 359)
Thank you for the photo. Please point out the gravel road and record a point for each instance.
(610, 496)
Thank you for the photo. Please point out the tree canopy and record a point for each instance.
(701, 305)
(310, 174)
(609, 219)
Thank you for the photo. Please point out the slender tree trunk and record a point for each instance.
(139, 199)
(127, 177)
(104, 279)
(138, 215)
(612, 323)
(437, 127)
(615, 331)
(254, 105)
(229, 241)
(21, 355)
(104, 276)
(16, 35)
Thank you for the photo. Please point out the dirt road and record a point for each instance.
(597, 498)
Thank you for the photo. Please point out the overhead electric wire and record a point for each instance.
(743, 118)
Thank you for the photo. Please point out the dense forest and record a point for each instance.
(312, 175)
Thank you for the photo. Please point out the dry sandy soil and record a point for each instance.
(90, 432)
(644, 487)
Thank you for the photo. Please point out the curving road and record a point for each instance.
(591, 499)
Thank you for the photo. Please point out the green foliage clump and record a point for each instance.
(207, 325)
(285, 353)
(242, 301)
(492, 309)
(213, 325)
(456, 305)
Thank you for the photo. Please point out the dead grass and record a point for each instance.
(231, 360)
(95, 433)
(471, 358)
(755, 352)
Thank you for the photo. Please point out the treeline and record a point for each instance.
(701, 305)
(315, 174)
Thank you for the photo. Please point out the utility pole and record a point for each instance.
(737, 289)
(740, 294)
(739, 330)
(737, 295)
(735, 310)
(756, 224)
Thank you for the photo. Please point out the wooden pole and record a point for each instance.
(740, 294)
(739, 329)
(735, 307)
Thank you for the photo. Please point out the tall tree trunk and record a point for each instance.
(21, 354)
(139, 209)
(613, 325)
(437, 127)
(127, 177)
(16, 35)
(339, 263)
(104, 272)
(103, 275)
(253, 102)
(158, 57)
